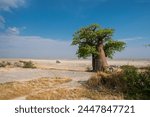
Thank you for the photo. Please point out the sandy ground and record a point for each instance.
(18, 74)
(75, 69)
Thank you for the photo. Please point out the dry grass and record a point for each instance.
(107, 86)
(58, 94)
(49, 89)
(78, 93)
(12, 90)
(105, 81)
(98, 87)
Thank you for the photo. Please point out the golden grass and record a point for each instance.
(109, 81)
(78, 93)
(12, 90)
(58, 94)
(101, 86)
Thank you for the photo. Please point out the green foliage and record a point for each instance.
(112, 46)
(85, 50)
(129, 72)
(144, 84)
(85, 35)
(104, 34)
(88, 39)
(137, 83)
(85, 38)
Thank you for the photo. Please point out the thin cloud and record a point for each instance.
(132, 39)
(34, 47)
(134, 53)
(13, 31)
(7, 5)
(16, 46)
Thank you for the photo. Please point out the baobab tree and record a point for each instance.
(97, 42)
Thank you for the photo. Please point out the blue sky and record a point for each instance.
(44, 28)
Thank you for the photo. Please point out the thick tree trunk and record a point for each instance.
(93, 62)
(97, 63)
(100, 59)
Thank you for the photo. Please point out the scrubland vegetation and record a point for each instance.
(130, 82)
(4, 64)
(22, 64)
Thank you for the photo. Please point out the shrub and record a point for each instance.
(137, 83)
(129, 69)
(130, 76)
(28, 64)
(131, 82)
(4, 64)
(18, 64)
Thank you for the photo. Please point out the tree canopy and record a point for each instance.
(88, 38)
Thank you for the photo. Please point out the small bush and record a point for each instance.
(28, 64)
(137, 83)
(130, 75)
(24, 64)
(4, 64)
(18, 64)
(129, 69)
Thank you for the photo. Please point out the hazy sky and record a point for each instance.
(44, 28)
